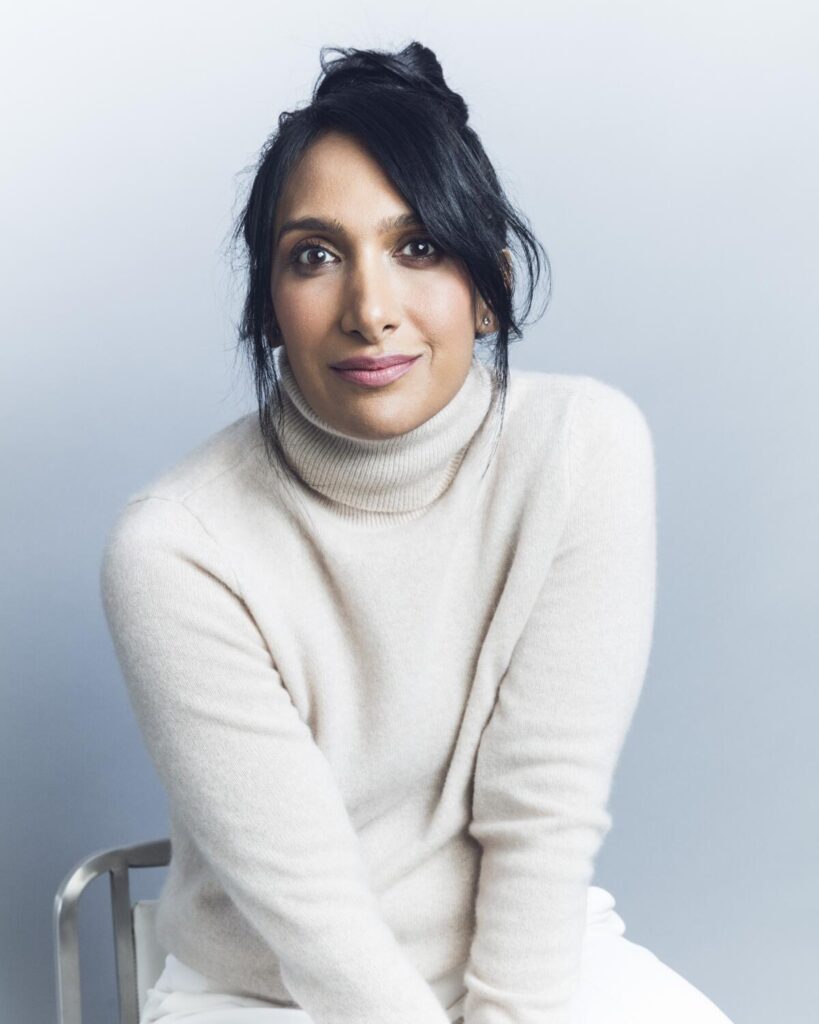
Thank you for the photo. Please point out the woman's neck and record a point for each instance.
(399, 474)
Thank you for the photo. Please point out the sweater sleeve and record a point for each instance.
(242, 769)
(547, 756)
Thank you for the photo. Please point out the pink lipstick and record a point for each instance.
(374, 373)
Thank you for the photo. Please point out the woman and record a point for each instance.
(384, 640)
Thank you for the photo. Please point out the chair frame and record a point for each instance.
(116, 862)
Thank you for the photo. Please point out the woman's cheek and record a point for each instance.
(303, 311)
(443, 302)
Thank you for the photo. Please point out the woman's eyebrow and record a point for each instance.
(335, 227)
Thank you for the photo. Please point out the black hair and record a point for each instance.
(398, 106)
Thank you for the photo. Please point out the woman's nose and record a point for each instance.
(371, 301)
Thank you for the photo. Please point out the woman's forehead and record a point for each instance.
(338, 182)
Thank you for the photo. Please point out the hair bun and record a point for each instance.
(415, 67)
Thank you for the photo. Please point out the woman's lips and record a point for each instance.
(377, 378)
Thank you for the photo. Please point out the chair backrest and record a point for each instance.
(139, 958)
(148, 952)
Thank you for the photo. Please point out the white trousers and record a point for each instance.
(620, 983)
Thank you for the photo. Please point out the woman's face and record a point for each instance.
(366, 282)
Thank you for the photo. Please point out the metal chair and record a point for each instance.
(139, 957)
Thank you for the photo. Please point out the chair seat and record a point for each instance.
(150, 956)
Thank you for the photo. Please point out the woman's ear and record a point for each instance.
(485, 319)
(483, 312)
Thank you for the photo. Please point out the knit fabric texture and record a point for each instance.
(387, 702)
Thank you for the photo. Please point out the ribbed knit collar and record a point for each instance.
(398, 474)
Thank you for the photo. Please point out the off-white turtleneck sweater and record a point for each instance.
(387, 705)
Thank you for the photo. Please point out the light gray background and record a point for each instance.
(666, 154)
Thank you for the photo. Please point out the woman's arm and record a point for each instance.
(546, 759)
(243, 770)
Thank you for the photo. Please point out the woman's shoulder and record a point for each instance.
(550, 405)
(209, 464)
(202, 484)
(167, 537)
(572, 426)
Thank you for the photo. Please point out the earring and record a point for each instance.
(486, 320)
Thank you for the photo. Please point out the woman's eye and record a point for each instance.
(427, 246)
(311, 255)
(297, 256)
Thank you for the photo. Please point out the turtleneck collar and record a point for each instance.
(400, 474)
